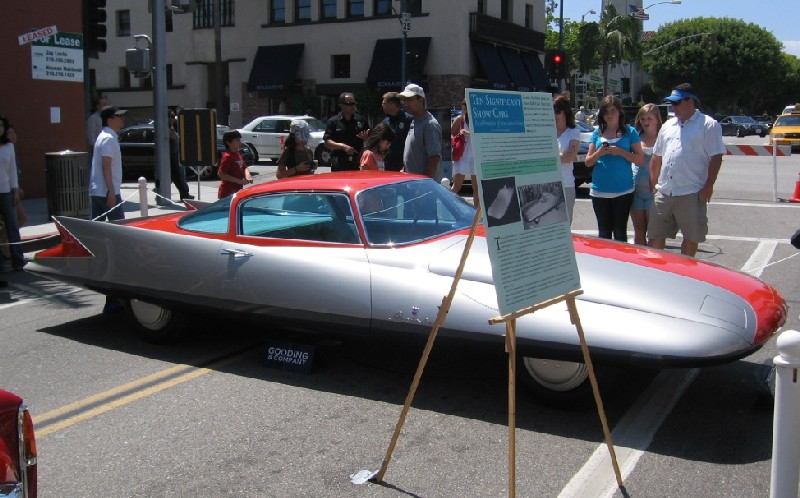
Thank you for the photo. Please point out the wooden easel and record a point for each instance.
(511, 348)
(511, 345)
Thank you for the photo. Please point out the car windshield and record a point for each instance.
(412, 211)
(742, 119)
(315, 124)
(210, 219)
(584, 127)
(790, 120)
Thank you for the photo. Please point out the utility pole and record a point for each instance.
(161, 125)
(560, 36)
(222, 111)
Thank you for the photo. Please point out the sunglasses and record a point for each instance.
(679, 102)
(348, 103)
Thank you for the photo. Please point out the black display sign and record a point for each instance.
(289, 357)
(198, 137)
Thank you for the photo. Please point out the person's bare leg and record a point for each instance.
(458, 181)
(658, 243)
(639, 221)
(689, 248)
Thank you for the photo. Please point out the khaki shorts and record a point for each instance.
(685, 212)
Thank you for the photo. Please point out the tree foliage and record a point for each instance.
(738, 68)
(610, 41)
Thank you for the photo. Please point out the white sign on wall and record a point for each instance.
(58, 57)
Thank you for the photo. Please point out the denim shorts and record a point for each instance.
(642, 201)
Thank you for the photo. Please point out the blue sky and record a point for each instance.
(780, 17)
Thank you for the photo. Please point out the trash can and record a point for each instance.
(67, 180)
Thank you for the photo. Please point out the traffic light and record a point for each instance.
(95, 27)
(559, 63)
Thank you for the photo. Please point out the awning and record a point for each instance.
(516, 68)
(387, 65)
(274, 67)
(492, 66)
(536, 71)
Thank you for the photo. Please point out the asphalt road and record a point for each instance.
(118, 417)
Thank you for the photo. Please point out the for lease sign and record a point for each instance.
(58, 57)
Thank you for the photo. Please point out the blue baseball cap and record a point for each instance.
(678, 95)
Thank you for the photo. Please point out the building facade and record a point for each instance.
(298, 55)
(47, 110)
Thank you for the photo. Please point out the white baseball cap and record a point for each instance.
(412, 90)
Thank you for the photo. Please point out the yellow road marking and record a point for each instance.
(107, 394)
(116, 403)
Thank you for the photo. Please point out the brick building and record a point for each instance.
(49, 115)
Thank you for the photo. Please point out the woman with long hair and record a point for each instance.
(612, 148)
(648, 123)
(465, 165)
(569, 140)
(375, 146)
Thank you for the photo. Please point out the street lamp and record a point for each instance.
(674, 2)
(590, 11)
(634, 67)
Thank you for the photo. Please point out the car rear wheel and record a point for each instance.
(559, 383)
(155, 323)
(322, 155)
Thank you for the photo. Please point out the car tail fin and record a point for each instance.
(70, 246)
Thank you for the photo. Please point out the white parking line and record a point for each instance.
(634, 432)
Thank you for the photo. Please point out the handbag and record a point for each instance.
(458, 143)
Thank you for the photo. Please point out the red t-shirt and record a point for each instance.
(233, 164)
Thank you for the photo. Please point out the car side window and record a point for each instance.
(210, 219)
(267, 126)
(319, 217)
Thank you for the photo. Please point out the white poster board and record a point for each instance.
(522, 197)
(58, 57)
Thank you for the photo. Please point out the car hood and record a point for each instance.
(642, 279)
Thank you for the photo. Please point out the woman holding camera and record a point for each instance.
(612, 148)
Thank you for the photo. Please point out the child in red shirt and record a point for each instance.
(233, 171)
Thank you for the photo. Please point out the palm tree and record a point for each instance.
(608, 42)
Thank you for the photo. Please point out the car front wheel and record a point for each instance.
(155, 323)
(559, 383)
(323, 155)
(739, 132)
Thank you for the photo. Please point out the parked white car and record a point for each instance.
(266, 134)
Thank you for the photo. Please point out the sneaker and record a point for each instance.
(187, 196)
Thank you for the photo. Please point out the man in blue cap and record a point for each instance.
(686, 160)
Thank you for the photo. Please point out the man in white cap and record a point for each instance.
(423, 151)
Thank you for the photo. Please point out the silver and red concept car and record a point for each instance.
(375, 253)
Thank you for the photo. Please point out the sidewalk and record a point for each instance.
(40, 231)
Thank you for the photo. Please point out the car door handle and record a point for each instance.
(236, 253)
